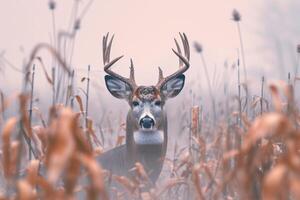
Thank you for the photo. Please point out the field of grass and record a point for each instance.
(244, 146)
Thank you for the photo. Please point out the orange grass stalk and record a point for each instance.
(33, 172)
(272, 185)
(170, 183)
(96, 189)
(196, 181)
(61, 144)
(25, 191)
(6, 147)
(91, 131)
(195, 120)
(140, 171)
(126, 183)
(25, 126)
(72, 173)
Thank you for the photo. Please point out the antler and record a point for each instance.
(107, 63)
(183, 61)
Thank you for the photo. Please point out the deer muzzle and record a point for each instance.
(147, 121)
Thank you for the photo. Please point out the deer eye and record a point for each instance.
(135, 103)
(158, 103)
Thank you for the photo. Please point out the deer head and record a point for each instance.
(146, 102)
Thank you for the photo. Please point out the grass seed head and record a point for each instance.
(52, 5)
(236, 16)
(77, 25)
(198, 47)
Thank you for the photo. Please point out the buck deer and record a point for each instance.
(146, 125)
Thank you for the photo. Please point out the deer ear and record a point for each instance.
(173, 87)
(117, 87)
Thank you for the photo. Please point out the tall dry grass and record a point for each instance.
(258, 160)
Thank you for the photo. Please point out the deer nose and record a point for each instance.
(147, 122)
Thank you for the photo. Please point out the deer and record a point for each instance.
(146, 122)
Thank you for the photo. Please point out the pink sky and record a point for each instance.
(144, 30)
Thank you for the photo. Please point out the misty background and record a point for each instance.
(144, 31)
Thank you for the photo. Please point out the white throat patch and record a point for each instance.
(143, 137)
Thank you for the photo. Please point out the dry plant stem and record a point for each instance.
(54, 53)
(53, 86)
(23, 127)
(244, 63)
(86, 8)
(201, 119)
(226, 94)
(72, 34)
(23, 111)
(242, 51)
(62, 36)
(54, 64)
(73, 14)
(101, 135)
(214, 175)
(74, 25)
(87, 105)
(6, 155)
(72, 43)
(53, 28)
(72, 89)
(87, 95)
(262, 94)
(238, 139)
(70, 92)
(12, 66)
(197, 183)
(239, 120)
(49, 79)
(296, 70)
(70, 28)
(72, 50)
(31, 103)
(190, 132)
(18, 163)
(2, 108)
(210, 89)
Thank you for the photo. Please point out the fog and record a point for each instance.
(144, 31)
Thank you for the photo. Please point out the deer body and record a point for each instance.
(146, 124)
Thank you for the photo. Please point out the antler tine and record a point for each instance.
(160, 74)
(187, 46)
(179, 51)
(109, 48)
(183, 60)
(132, 70)
(107, 63)
(104, 48)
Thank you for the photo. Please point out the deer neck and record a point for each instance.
(150, 155)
